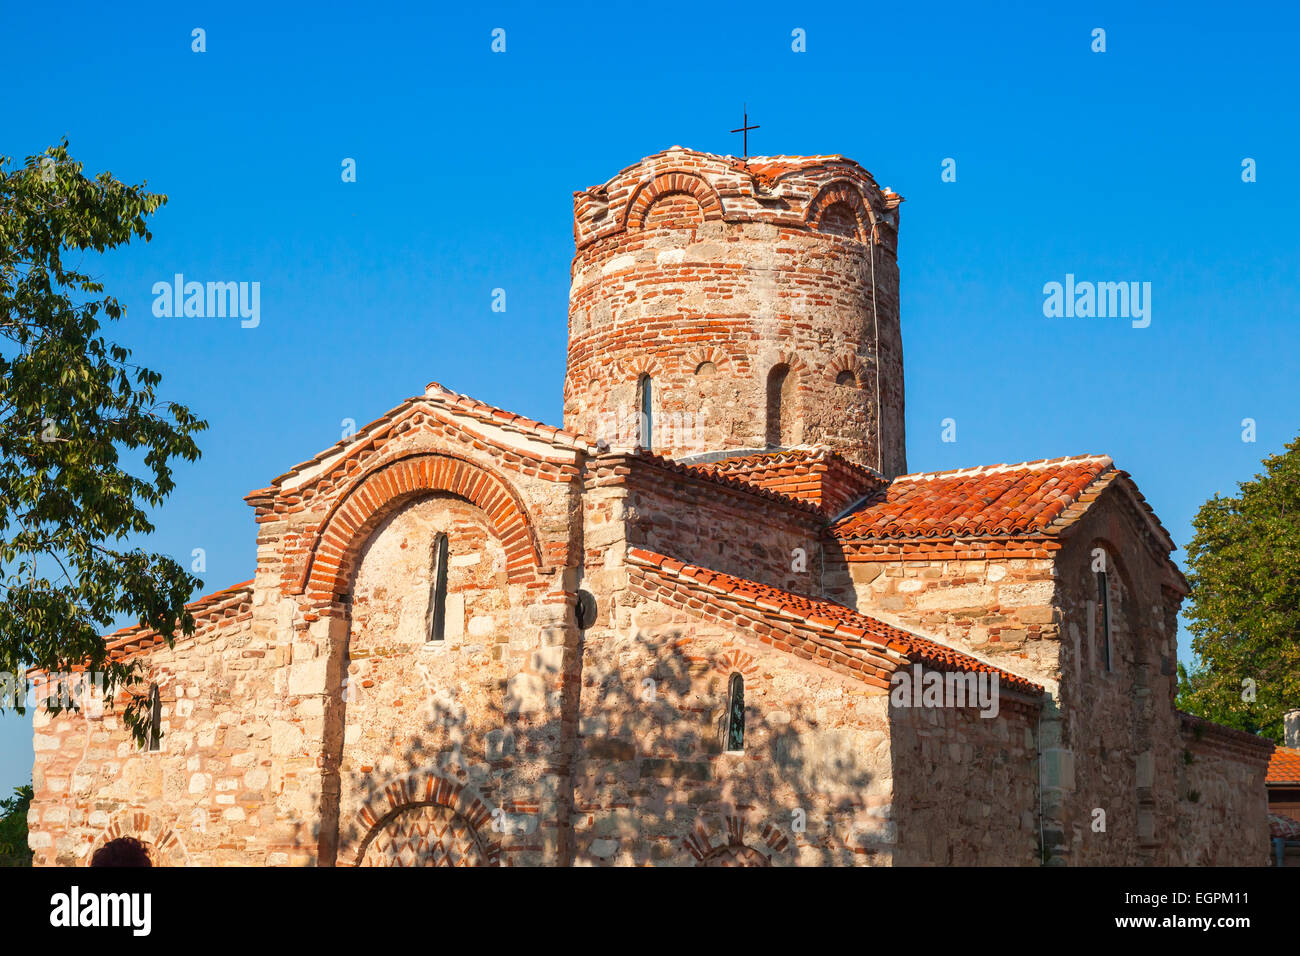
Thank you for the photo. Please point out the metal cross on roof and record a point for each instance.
(745, 130)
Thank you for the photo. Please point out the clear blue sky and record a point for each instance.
(1123, 165)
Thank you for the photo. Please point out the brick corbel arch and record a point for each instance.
(666, 184)
(380, 491)
(841, 191)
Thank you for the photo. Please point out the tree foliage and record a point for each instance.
(13, 828)
(72, 407)
(1244, 613)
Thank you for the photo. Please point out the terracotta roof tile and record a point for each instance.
(997, 500)
(816, 475)
(134, 637)
(846, 628)
(1285, 766)
(725, 480)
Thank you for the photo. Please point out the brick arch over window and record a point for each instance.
(837, 198)
(159, 840)
(845, 366)
(425, 789)
(666, 184)
(727, 845)
(379, 492)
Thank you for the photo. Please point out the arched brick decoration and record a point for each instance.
(696, 357)
(848, 362)
(731, 662)
(467, 824)
(379, 492)
(729, 848)
(666, 184)
(423, 834)
(795, 364)
(843, 195)
(643, 365)
(160, 840)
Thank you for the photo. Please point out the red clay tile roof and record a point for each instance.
(768, 169)
(1033, 499)
(508, 420)
(995, 500)
(133, 637)
(1285, 766)
(723, 480)
(847, 628)
(817, 475)
(121, 640)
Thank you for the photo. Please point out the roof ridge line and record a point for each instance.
(1036, 464)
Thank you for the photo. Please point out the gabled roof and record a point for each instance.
(1033, 499)
(438, 397)
(868, 648)
(1284, 768)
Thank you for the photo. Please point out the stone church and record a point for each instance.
(713, 621)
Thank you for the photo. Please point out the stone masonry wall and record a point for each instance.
(965, 786)
(701, 521)
(1222, 804)
(1115, 760)
(415, 705)
(997, 607)
(316, 528)
(653, 784)
(215, 792)
(704, 274)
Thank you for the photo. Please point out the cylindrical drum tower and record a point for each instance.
(721, 305)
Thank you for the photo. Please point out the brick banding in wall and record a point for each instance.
(377, 493)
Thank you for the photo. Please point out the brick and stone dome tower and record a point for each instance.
(723, 305)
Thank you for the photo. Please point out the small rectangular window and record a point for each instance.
(154, 739)
(736, 714)
(438, 590)
(1103, 608)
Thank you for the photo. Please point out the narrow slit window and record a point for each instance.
(438, 593)
(736, 714)
(154, 740)
(646, 439)
(1103, 611)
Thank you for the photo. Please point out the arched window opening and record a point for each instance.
(705, 369)
(124, 851)
(847, 378)
(781, 407)
(646, 431)
(1103, 615)
(839, 219)
(736, 714)
(154, 740)
(438, 593)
